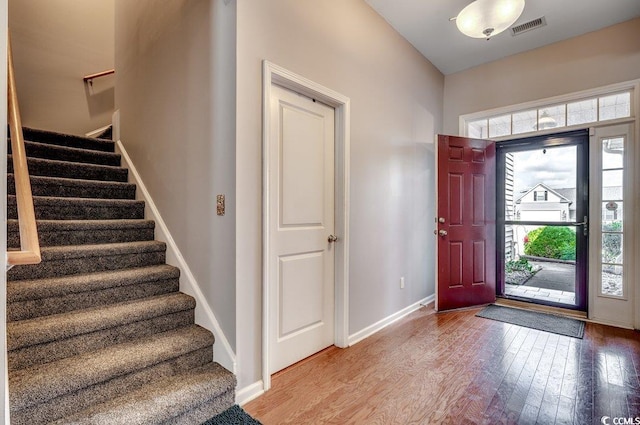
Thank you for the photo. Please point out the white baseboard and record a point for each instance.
(222, 352)
(250, 392)
(370, 330)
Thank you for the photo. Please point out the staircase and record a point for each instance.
(98, 332)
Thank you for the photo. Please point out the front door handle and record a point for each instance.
(332, 238)
(442, 233)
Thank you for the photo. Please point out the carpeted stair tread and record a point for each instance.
(64, 153)
(45, 382)
(75, 188)
(76, 259)
(55, 208)
(164, 401)
(60, 139)
(50, 338)
(45, 329)
(45, 288)
(73, 170)
(84, 232)
(28, 299)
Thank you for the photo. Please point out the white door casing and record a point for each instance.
(274, 75)
(301, 220)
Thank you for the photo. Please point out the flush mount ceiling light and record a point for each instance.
(486, 18)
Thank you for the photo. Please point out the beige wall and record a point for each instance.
(175, 79)
(55, 43)
(396, 104)
(596, 59)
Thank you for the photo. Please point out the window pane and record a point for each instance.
(551, 117)
(612, 248)
(524, 122)
(612, 178)
(500, 126)
(544, 184)
(582, 112)
(615, 106)
(613, 153)
(612, 216)
(478, 129)
(612, 280)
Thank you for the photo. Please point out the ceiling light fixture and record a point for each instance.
(546, 121)
(486, 18)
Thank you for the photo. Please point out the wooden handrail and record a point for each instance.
(29, 246)
(89, 78)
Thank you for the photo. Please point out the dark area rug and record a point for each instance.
(535, 320)
(232, 416)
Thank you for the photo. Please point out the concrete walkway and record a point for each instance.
(555, 282)
(558, 276)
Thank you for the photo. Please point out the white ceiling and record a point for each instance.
(426, 25)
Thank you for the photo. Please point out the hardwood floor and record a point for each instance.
(455, 368)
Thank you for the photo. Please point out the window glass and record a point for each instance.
(612, 153)
(612, 216)
(615, 106)
(581, 112)
(612, 178)
(500, 126)
(478, 129)
(548, 117)
(551, 117)
(524, 122)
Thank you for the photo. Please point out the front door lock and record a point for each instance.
(332, 238)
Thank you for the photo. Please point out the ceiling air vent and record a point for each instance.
(528, 26)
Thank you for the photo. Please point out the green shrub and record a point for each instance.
(552, 242)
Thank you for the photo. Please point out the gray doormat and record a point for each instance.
(535, 320)
(234, 415)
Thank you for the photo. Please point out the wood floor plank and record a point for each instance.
(455, 368)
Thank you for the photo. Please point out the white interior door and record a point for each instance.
(301, 219)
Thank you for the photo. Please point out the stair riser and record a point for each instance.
(71, 141)
(46, 151)
(30, 309)
(75, 190)
(205, 411)
(59, 349)
(79, 211)
(82, 237)
(71, 266)
(70, 170)
(65, 405)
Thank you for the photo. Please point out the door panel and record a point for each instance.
(301, 214)
(466, 231)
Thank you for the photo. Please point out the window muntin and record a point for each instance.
(612, 192)
(578, 112)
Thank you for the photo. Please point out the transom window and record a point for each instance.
(573, 113)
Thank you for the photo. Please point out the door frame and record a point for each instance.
(274, 74)
(582, 242)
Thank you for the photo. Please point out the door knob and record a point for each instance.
(442, 233)
(332, 238)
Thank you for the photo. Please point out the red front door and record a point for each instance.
(466, 222)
